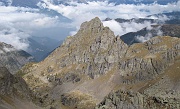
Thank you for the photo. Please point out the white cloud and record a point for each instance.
(123, 28)
(8, 49)
(26, 17)
(162, 18)
(144, 39)
(156, 32)
(14, 37)
(20, 22)
(80, 12)
(114, 26)
(104, 9)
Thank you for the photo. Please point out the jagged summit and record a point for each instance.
(94, 24)
(89, 31)
(93, 63)
(93, 44)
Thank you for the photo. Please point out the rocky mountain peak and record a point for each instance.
(92, 24)
(93, 45)
(93, 63)
(93, 31)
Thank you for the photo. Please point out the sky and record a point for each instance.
(59, 21)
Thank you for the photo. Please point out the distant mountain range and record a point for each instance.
(166, 30)
(32, 3)
(142, 1)
(172, 18)
(21, 3)
(169, 27)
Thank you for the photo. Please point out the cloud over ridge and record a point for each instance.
(23, 22)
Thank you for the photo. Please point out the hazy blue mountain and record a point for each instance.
(169, 27)
(48, 42)
(25, 3)
(54, 13)
(166, 30)
(172, 18)
(137, 20)
(21, 3)
(119, 1)
(163, 2)
(142, 1)
(40, 47)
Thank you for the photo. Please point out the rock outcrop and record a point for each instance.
(12, 58)
(136, 100)
(14, 92)
(94, 62)
(151, 74)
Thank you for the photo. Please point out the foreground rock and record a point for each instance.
(14, 92)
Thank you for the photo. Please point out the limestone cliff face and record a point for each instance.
(94, 62)
(12, 58)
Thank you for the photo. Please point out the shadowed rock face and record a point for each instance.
(10, 84)
(14, 92)
(12, 58)
(93, 63)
